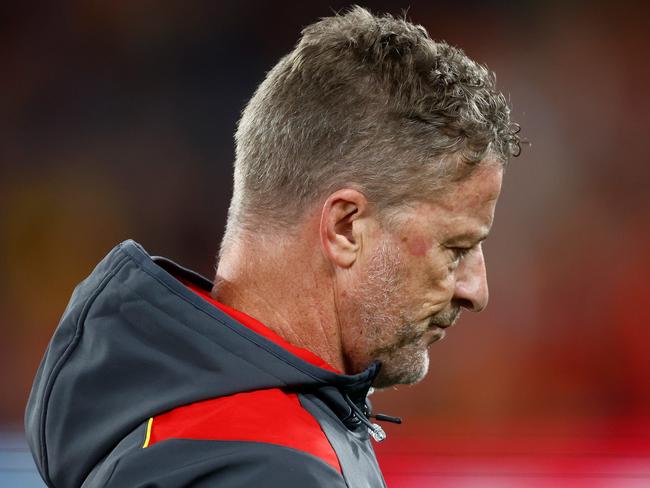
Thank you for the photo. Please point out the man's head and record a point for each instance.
(403, 282)
(396, 143)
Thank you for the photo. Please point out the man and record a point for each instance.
(368, 166)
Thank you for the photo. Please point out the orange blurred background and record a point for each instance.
(117, 122)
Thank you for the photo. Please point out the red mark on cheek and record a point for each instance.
(417, 245)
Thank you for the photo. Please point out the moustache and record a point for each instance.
(445, 318)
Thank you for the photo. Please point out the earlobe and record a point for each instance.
(340, 231)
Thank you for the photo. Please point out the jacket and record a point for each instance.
(147, 383)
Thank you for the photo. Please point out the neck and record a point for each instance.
(280, 287)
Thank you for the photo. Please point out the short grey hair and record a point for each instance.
(365, 102)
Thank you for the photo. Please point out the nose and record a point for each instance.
(471, 289)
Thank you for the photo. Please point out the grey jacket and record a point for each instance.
(135, 343)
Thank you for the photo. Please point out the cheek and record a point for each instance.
(449, 283)
(417, 246)
(442, 281)
(427, 270)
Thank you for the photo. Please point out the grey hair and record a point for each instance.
(365, 102)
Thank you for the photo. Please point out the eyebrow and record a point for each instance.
(474, 237)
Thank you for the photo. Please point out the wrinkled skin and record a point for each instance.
(419, 273)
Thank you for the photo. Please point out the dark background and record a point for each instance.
(116, 121)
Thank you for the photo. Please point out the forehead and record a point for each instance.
(481, 188)
(466, 206)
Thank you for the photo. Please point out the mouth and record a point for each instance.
(444, 320)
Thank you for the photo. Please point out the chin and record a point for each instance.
(402, 369)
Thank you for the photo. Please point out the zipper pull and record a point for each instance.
(377, 433)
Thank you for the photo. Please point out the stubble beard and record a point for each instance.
(388, 336)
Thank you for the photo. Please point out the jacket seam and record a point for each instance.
(348, 386)
(68, 350)
(258, 368)
(112, 472)
(218, 319)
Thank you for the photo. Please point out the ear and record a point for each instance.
(340, 231)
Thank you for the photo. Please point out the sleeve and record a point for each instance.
(180, 463)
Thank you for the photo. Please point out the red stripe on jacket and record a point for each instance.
(270, 416)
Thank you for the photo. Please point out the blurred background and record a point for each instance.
(116, 121)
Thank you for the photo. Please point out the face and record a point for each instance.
(417, 275)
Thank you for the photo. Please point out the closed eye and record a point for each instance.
(459, 253)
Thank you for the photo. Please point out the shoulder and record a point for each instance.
(265, 416)
(263, 438)
(180, 463)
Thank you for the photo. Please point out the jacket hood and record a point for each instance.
(135, 342)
